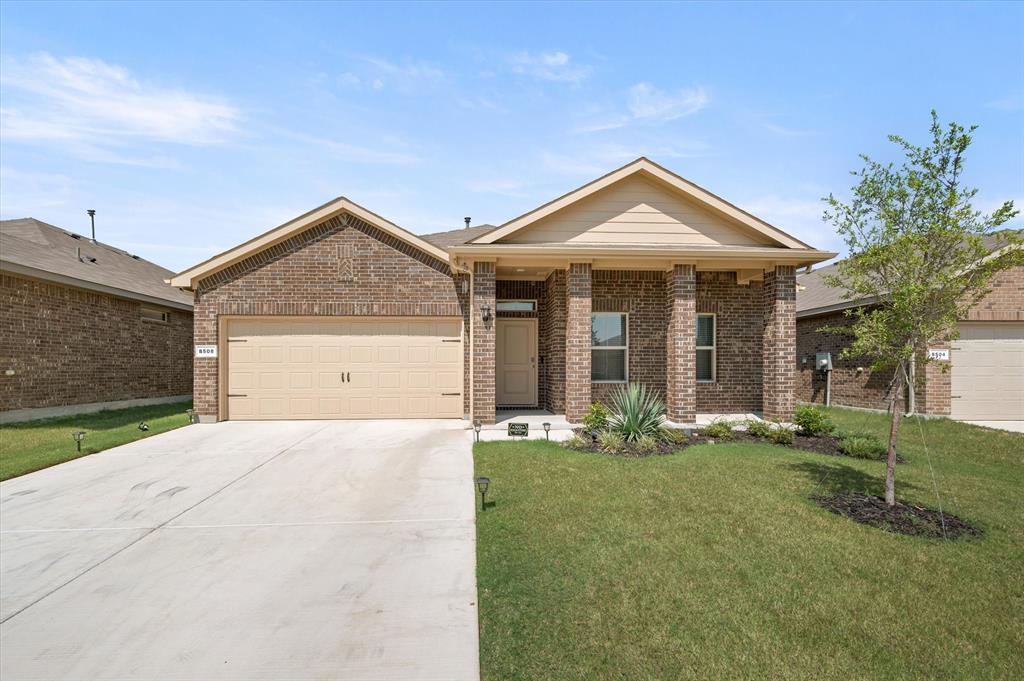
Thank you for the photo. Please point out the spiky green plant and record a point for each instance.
(637, 411)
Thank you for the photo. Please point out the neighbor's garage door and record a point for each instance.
(344, 368)
(988, 372)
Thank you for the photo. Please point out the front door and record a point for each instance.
(516, 369)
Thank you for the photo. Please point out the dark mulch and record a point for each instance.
(903, 518)
(665, 447)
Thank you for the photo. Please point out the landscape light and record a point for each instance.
(191, 415)
(481, 484)
(547, 430)
(476, 429)
(79, 435)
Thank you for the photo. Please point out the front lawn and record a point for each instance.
(29, 446)
(714, 563)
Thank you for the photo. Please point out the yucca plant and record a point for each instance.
(637, 412)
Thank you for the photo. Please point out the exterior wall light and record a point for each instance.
(476, 430)
(547, 430)
(79, 435)
(482, 484)
(487, 315)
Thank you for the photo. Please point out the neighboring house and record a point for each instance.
(983, 378)
(639, 276)
(86, 326)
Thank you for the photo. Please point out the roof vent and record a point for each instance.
(92, 221)
(467, 222)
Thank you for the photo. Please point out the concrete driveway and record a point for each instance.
(285, 550)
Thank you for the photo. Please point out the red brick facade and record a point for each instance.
(778, 372)
(681, 344)
(552, 343)
(484, 295)
(578, 292)
(68, 346)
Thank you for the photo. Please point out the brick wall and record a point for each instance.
(70, 346)
(341, 267)
(484, 384)
(778, 371)
(1005, 303)
(578, 288)
(552, 343)
(681, 344)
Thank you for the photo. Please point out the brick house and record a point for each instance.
(979, 376)
(86, 326)
(638, 276)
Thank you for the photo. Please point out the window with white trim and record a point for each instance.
(706, 360)
(609, 347)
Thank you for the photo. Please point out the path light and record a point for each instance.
(143, 426)
(191, 415)
(79, 435)
(547, 430)
(476, 429)
(481, 484)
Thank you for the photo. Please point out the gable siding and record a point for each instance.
(636, 211)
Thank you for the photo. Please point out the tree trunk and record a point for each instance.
(894, 429)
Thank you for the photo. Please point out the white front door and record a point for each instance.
(516, 362)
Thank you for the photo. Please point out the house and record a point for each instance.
(638, 276)
(978, 377)
(86, 326)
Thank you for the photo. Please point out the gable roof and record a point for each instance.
(189, 277)
(647, 168)
(814, 296)
(457, 237)
(37, 249)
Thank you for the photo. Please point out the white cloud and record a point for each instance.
(1011, 103)
(354, 152)
(647, 102)
(376, 73)
(92, 105)
(502, 187)
(555, 66)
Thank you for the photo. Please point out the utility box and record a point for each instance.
(823, 361)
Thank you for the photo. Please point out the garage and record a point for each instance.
(987, 381)
(343, 368)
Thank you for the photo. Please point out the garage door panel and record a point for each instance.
(987, 380)
(345, 368)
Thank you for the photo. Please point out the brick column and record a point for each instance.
(681, 345)
(205, 373)
(577, 341)
(483, 342)
(779, 343)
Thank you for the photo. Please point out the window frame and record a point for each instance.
(713, 347)
(624, 348)
(164, 315)
(531, 301)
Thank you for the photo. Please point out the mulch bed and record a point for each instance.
(903, 518)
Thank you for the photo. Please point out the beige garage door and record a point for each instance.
(334, 368)
(988, 372)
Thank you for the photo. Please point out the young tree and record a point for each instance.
(917, 249)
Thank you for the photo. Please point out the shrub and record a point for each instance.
(812, 421)
(675, 436)
(718, 430)
(611, 441)
(759, 428)
(577, 441)
(648, 444)
(862, 446)
(596, 417)
(780, 435)
(637, 412)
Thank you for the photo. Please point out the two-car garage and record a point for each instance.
(343, 368)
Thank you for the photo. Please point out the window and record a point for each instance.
(706, 348)
(609, 346)
(516, 305)
(150, 314)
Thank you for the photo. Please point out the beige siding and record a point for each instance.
(636, 211)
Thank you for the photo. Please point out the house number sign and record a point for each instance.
(206, 351)
(941, 355)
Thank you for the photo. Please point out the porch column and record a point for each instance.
(681, 345)
(779, 343)
(577, 340)
(483, 342)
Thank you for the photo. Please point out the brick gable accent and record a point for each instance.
(70, 346)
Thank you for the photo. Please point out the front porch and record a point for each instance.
(712, 338)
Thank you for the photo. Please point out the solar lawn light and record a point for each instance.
(547, 430)
(191, 415)
(79, 435)
(476, 430)
(481, 484)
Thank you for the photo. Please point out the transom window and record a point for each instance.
(706, 360)
(609, 347)
(516, 305)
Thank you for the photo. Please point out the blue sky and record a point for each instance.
(191, 128)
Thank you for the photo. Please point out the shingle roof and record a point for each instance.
(814, 296)
(456, 237)
(34, 247)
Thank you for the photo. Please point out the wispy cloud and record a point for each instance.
(799, 216)
(555, 66)
(502, 187)
(647, 102)
(353, 152)
(92, 105)
(1010, 103)
(379, 74)
(785, 131)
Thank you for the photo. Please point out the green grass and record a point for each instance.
(30, 446)
(713, 563)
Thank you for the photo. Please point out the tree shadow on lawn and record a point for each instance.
(836, 478)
